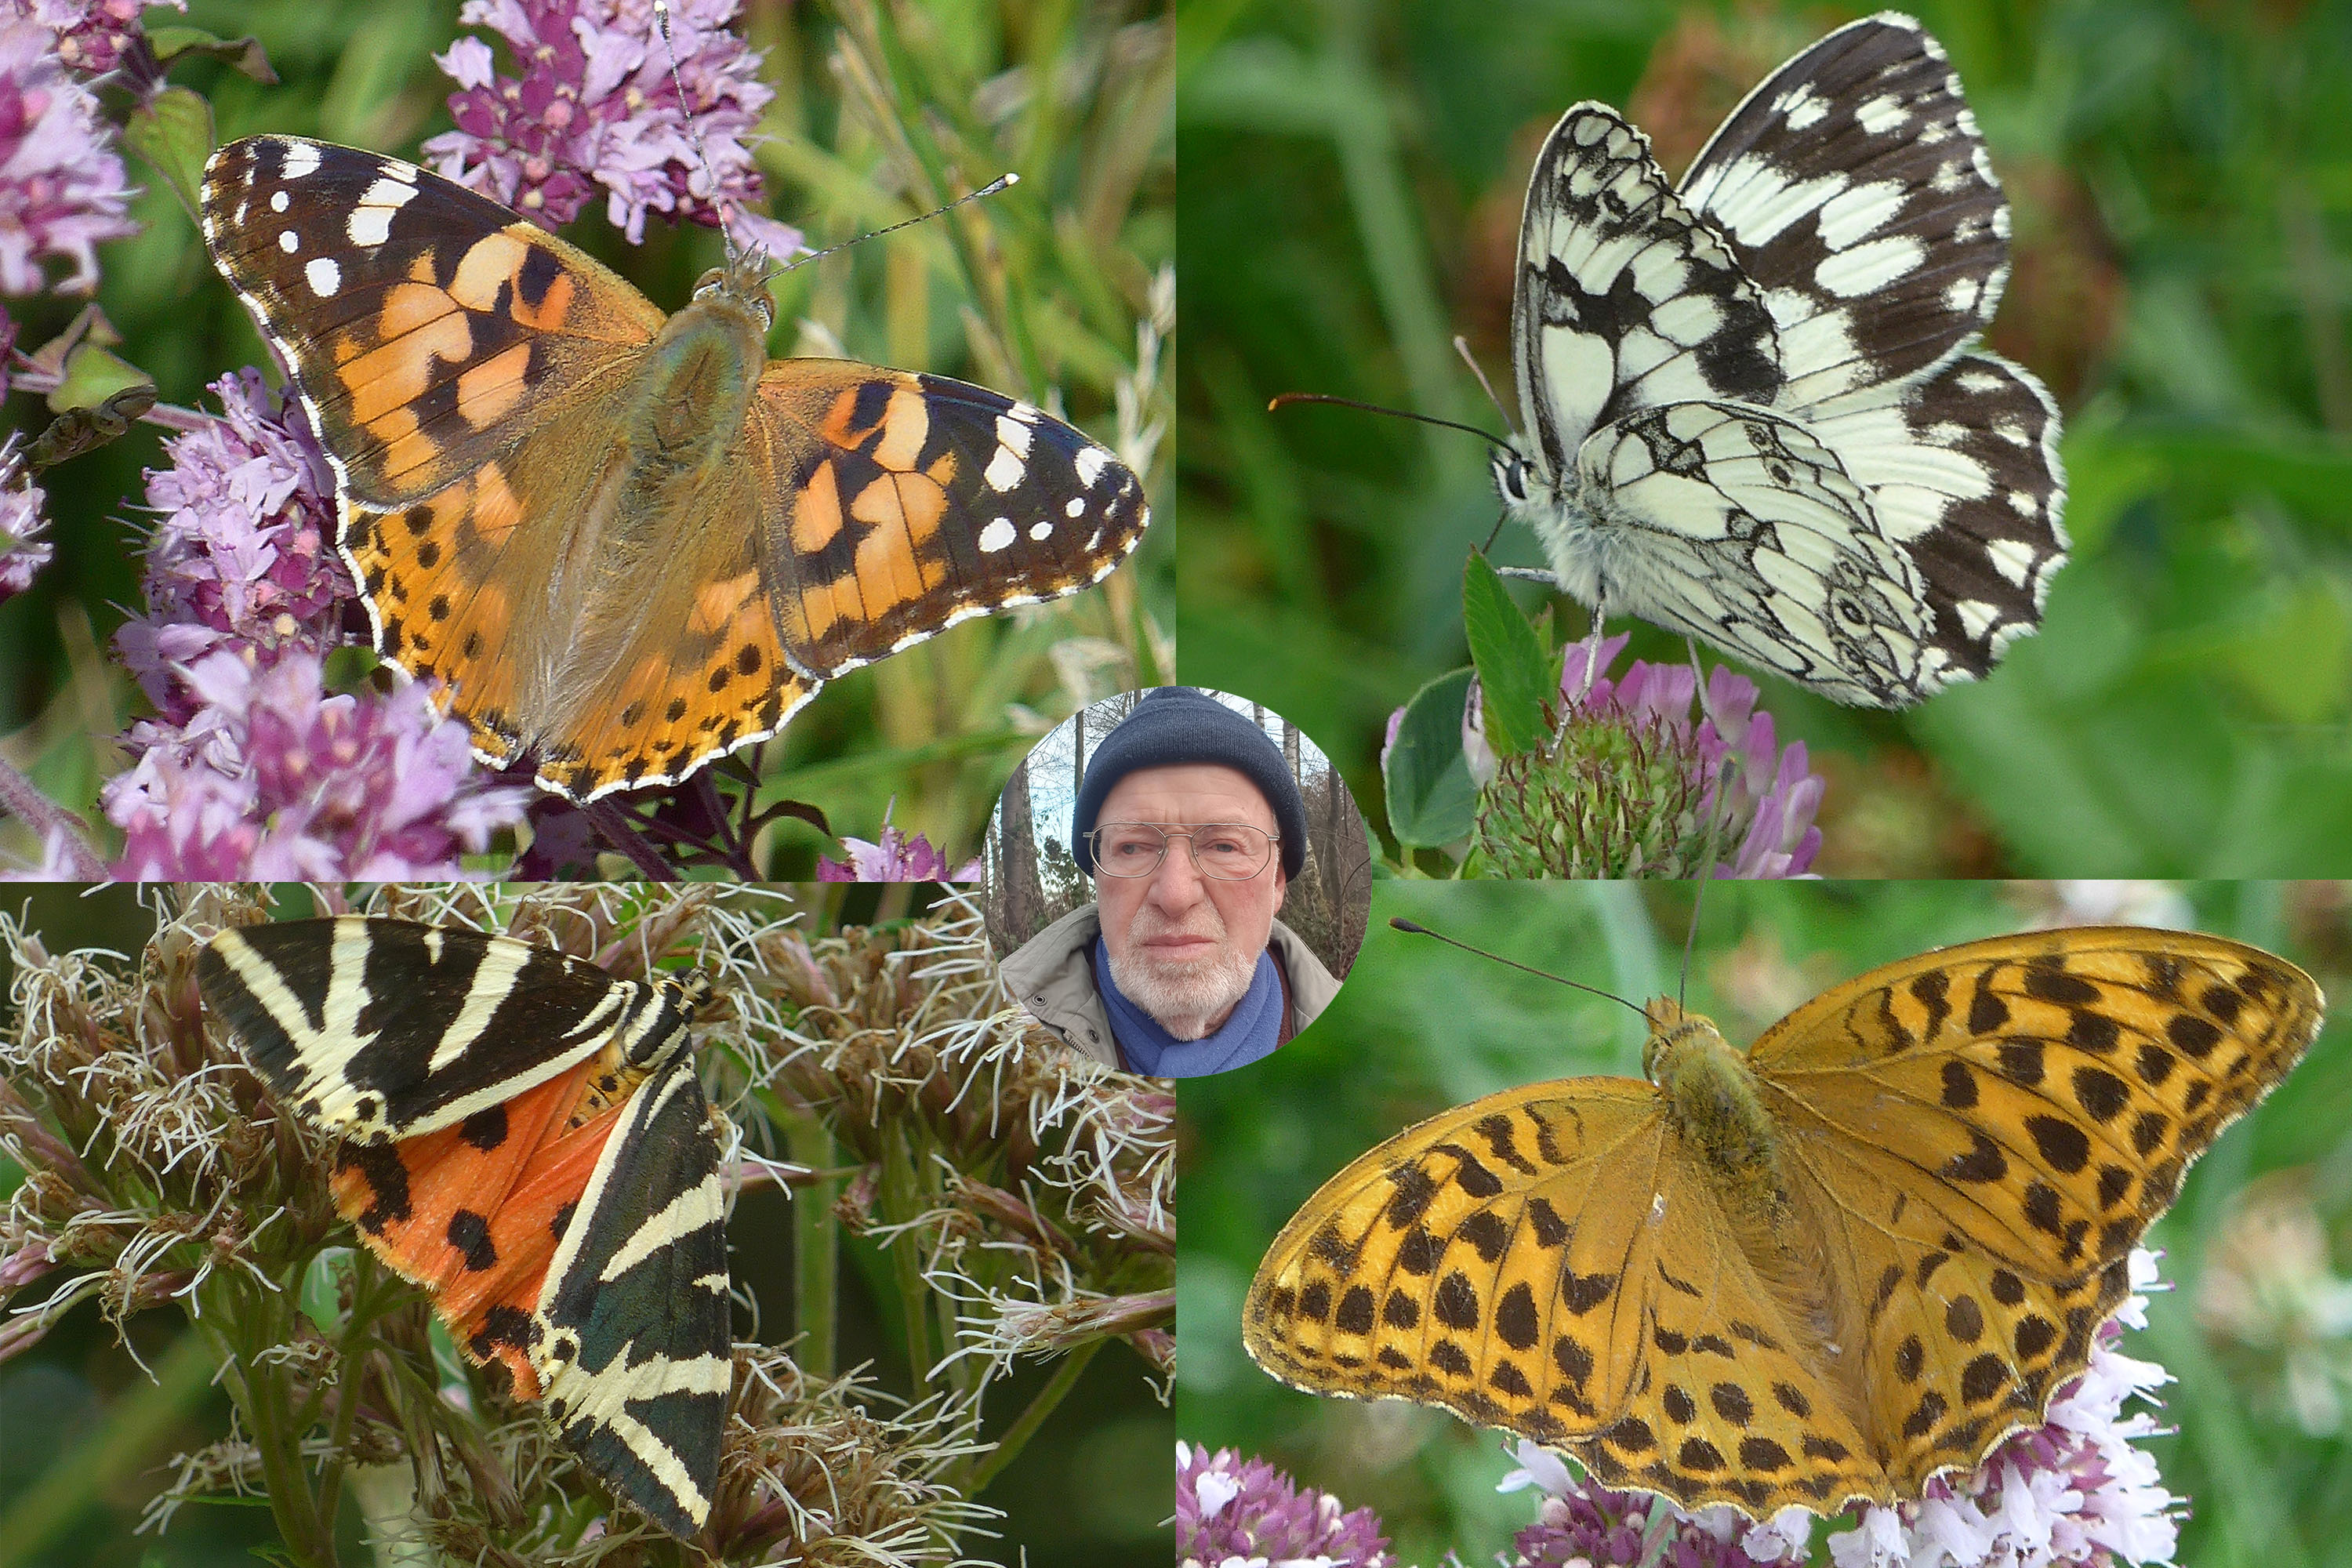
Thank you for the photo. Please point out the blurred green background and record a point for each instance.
(1350, 178)
(881, 113)
(87, 1437)
(1421, 1027)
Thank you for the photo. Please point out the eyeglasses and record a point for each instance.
(1223, 851)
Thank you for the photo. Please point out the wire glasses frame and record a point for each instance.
(1221, 851)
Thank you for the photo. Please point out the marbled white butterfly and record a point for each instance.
(1753, 412)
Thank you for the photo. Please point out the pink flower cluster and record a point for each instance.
(62, 187)
(274, 779)
(251, 768)
(243, 554)
(596, 105)
(898, 858)
(92, 33)
(1230, 1509)
(1774, 793)
(23, 551)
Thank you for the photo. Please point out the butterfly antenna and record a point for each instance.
(1462, 347)
(1545, 974)
(1488, 436)
(1002, 181)
(694, 130)
(1690, 937)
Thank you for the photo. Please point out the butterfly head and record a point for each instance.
(1518, 478)
(743, 280)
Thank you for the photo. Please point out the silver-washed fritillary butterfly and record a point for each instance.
(1858, 1254)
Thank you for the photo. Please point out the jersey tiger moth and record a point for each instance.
(525, 1136)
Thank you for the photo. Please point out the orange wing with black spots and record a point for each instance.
(893, 505)
(1858, 1255)
(426, 325)
(625, 544)
(523, 1136)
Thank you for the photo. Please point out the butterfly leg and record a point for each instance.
(1592, 656)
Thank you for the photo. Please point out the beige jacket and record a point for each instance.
(1053, 975)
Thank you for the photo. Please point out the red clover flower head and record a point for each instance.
(62, 187)
(596, 105)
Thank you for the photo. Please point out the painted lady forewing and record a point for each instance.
(1751, 415)
(628, 543)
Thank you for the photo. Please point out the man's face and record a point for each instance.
(1183, 946)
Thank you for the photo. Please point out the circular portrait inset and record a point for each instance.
(1177, 881)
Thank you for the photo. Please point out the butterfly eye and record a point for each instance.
(1510, 476)
(714, 279)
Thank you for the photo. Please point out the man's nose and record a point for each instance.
(1176, 885)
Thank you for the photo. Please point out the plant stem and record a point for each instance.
(817, 1247)
(1017, 1436)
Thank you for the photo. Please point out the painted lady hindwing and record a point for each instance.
(1753, 412)
(628, 543)
(524, 1135)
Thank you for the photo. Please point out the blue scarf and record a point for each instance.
(1251, 1031)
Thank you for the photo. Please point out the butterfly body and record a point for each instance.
(625, 544)
(1828, 1268)
(524, 1136)
(1751, 411)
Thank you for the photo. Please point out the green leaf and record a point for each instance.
(173, 133)
(1513, 676)
(243, 54)
(1428, 780)
(92, 376)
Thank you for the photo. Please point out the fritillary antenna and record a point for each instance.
(1542, 973)
(1002, 181)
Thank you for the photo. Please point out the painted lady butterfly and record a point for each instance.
(628, 543)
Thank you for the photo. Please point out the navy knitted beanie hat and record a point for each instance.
(1177, 724)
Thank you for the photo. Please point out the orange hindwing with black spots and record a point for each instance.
(624, 543)
(524, 1136)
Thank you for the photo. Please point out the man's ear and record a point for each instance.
(1281, 884)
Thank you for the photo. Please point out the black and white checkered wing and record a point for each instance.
(1963, 472)
(1854, 188)
(1742, 529)
(1623, 299)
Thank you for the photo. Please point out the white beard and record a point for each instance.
(1187, 998)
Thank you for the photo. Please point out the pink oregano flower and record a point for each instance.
(596, 106)
(62, 187)
(251, 767)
